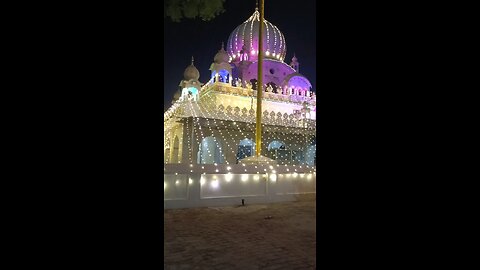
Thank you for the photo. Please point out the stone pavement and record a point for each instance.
(241, 237)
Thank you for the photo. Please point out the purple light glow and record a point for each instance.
(247, 34)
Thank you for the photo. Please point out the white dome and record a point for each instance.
(274, 44)
(221, 56)
(191, 72)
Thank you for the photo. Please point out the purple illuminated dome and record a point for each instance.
(274, 45)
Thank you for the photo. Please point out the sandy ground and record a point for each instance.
(272, 236)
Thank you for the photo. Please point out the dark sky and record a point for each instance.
(295, 19)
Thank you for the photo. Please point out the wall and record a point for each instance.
(204, 190)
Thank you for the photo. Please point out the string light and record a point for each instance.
(222, 118)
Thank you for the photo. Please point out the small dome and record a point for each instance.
(294, 59)
(221, 56)
(191, 72)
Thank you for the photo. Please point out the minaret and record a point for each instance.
(190, 85)
(220, 65)
(295, 64)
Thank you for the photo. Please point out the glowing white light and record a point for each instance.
(267, 53)
(164, 185)
(256, 177)
(309, 176)
(177, 182)
(273, 177)
(228, 177)
(229, 168)
(214, 184)
(295, 174)
(190, 181)
(253, 51)
(202, 181)
(244, 178)
(271, 167)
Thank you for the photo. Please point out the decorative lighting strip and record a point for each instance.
(275, 38)
(285, 47)
(251, 36)
(236, 39)
(280, 37)
(208, 115)
(268, 36)
(243, 35)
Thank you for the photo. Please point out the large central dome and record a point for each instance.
(274, 45)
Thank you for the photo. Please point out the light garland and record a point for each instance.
(227, 139)
(218, 132)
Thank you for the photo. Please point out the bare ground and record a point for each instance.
(272, 236)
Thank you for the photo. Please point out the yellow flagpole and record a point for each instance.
(258, 134)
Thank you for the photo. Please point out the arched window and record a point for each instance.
(254, 84)
(310, 153)
(210, 151)
(224, 76)
(176, 144)
(189, 93)
(277, 150)
(246, 148)
(167, 155)
(274, 86)
(276, 145)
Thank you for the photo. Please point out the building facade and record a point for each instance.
(214, 122)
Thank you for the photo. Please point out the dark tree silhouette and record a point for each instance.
(206, 10)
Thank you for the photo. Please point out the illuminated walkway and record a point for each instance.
(242, 237)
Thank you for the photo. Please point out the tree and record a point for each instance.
(206, 10)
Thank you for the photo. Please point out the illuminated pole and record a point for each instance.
(258, 134)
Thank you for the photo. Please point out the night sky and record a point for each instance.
(295, 19)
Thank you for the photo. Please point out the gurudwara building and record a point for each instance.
(214, 122)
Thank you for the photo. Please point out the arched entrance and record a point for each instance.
(277, 150)
(310, 153)
(176, 145)
(167, 155)
(246, 148)
(210, 151)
